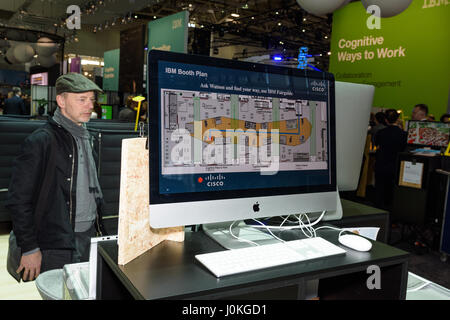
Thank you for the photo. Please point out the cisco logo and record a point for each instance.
(212, 180)
(318, 86)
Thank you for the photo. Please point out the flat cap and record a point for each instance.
(75, 82)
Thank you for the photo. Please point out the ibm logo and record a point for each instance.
(176, 24)
(171, 70)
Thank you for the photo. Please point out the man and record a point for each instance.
(15, 104)
(71, 212)
(389, 141)
(128, 113)
(445, 118)
(420, 112)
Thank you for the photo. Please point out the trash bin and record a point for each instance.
(76, 281)
(50, 284)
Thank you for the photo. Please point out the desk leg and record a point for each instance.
(109, 286)
(404, 281)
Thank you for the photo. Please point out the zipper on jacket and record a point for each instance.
(71, 184)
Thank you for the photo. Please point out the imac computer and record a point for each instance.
(232, 140)
(353, 105)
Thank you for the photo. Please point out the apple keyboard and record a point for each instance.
(229, 262)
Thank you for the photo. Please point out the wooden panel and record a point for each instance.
(135, 234)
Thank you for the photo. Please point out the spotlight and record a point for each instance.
(276, 57)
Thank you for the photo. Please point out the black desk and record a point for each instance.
(170, 271)
(359, 215)
(420, 206)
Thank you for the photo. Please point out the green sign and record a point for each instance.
(102, 98)
(106, 112)
(111, 70)
(169, 33)
(406, 59)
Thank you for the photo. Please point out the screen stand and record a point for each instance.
(335, 214)
(220, 232)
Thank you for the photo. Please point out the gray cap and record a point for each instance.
(75, 82)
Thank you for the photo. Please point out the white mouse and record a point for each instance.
(355, 242)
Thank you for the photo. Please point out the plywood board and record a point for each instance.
(135, 236)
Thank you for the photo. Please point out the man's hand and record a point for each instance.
(31, 266)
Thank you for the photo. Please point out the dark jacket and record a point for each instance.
(126, 114)
(14, 105)
(56, 228)
(389, 141)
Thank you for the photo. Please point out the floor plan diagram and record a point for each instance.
(208, 129)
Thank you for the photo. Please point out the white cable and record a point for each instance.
(239, 238)
(293, 227)
(304, 227)
(312, 232)
(268, 229)
(309, 227)
(287, 217)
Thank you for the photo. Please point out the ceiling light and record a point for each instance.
(235, 15)
(89, 62)
(277, 58)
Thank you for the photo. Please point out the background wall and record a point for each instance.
(410, 63)
(94, 44)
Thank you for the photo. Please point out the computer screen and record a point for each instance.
(40, 79)
(353, 105)
(428, 133)
(233, 140)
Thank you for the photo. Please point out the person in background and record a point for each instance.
(15, 104)
(71, 209)
(143, 111)
(420, 112)
(27, 102)
(128, 113)
(389, 141)
(445, 118)
(97, 112)
(2, 103)
(380, 123)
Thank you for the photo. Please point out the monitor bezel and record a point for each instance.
(154, 130)
(424, 145)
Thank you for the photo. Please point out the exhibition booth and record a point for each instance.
(255, 177)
